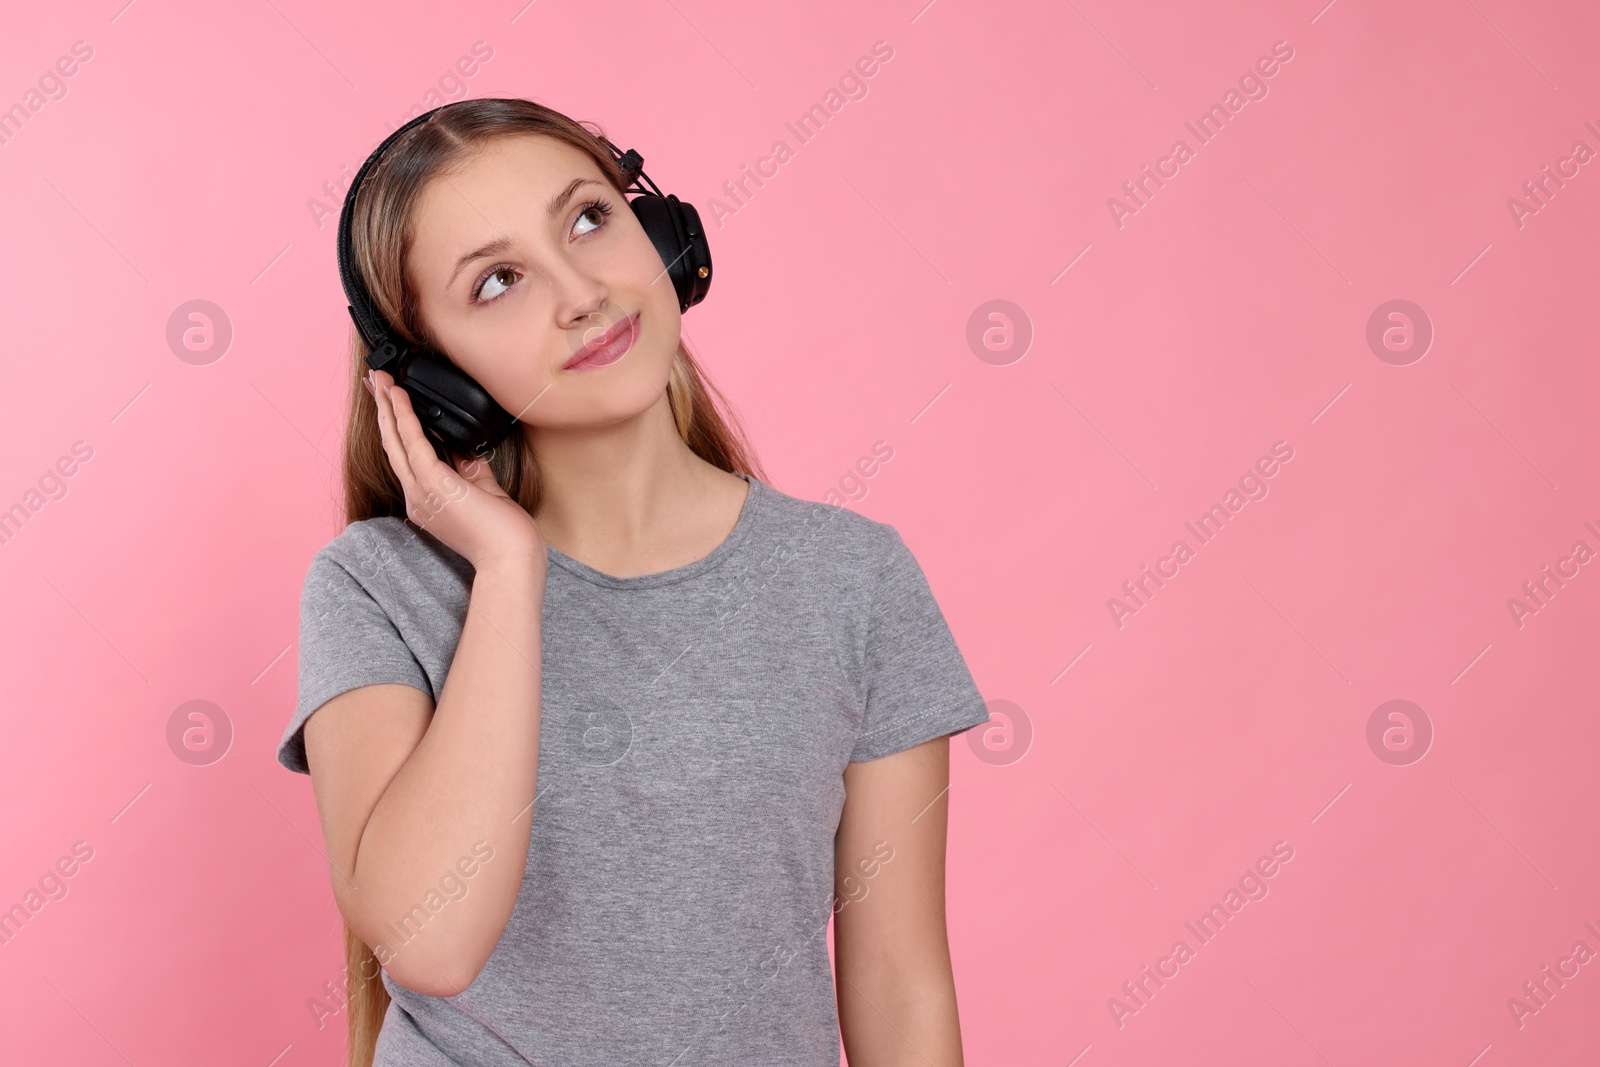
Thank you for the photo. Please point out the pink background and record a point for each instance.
(1228, 313)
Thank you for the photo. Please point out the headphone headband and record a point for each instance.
(361, 312)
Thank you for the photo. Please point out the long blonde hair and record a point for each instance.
(381, 233)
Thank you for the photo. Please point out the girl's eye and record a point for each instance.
(594, 212)
(598, 208)
(492, 277)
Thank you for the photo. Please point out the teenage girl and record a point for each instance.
(603, 728)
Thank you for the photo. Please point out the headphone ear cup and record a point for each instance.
(457, 414)
(674, 228)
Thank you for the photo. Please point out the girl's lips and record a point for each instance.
(608, 347)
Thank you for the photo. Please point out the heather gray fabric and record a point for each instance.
(696, 725)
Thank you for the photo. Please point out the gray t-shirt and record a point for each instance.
(695, 728)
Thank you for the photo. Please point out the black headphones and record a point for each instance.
(457, 412)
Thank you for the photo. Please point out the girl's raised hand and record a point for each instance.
(464, 507)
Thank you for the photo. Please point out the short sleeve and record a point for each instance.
(917, 686)
(346, 641)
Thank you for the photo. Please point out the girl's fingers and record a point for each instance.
(433, 482)
(393, 447)
(418, 450)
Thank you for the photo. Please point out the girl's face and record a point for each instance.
(522, 257)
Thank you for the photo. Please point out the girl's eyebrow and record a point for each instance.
(483, 251)
(559, 201)
(503, 244)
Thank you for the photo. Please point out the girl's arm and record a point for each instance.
(409, 806)
(427, 811)
(896, 991)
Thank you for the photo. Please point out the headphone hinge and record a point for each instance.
(384, 357)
